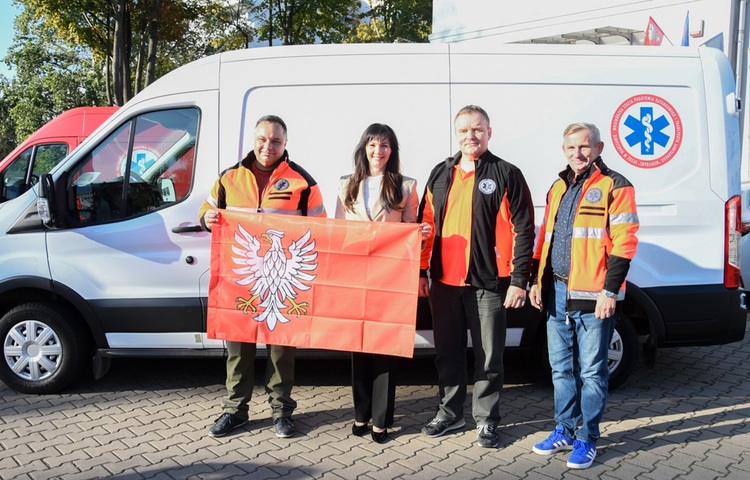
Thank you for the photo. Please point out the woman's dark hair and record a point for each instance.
(390, 190)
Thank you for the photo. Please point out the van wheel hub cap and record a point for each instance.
(32, 350)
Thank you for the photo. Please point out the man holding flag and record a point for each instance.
(264, 181)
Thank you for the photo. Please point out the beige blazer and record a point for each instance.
(379, 213)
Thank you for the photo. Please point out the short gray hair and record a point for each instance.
(596, 137)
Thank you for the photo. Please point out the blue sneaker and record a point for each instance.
(583, 455)
(556, 442)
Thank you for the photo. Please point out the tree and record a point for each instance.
(391, 21)
(124, 34)
(7, 126)
(51, 77)
(298, 22)
(227, 25)
(160, 25)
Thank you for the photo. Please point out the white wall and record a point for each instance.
(511, 21)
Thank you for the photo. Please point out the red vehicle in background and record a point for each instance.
(43, 149)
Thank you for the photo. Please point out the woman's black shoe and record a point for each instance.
(379, 437)
(359, 430)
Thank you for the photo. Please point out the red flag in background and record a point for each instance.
(654, 34)
(314, 282)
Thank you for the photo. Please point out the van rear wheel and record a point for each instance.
(623, 352)
(44, 348)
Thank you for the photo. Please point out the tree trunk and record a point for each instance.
(153, 42)
(108, 79)
(270, 24)
(288, 20)
(108, 65)
(126, 77)
(139, 61)
(118, 51)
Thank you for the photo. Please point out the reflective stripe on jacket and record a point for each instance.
(604, 237)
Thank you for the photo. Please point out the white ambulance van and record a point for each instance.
(110, 262)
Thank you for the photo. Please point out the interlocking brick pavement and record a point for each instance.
(684, 419)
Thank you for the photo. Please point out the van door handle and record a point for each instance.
(187, 229)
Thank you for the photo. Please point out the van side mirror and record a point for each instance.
(45, 203)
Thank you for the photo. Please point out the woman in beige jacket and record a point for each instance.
(377, 192)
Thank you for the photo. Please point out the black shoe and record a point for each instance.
(438, 427)
(379, 437)
(359, 430)
(487, 436)
(225, 424)
(284, 427)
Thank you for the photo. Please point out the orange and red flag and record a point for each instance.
(314, 282)
(654, 34)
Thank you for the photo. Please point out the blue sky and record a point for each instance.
(8, 12)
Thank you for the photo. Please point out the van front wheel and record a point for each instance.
(44, 348)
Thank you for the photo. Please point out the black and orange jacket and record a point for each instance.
(502, 223)
(604, 237)
(290, 191)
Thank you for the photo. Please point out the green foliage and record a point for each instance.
(7, 126)
(66, 52)
(396, 21)
(48, 157)
(225, 25)
(298, 22)
(51, 76)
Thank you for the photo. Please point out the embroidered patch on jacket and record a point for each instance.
(282, 184)
(487, 186)
(594, 195)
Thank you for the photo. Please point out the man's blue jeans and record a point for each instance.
(577, 343)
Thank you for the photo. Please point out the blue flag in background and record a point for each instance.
(686, 31)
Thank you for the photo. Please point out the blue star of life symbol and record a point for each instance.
(647, 131)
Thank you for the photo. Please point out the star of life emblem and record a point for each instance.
(274, 278)
(647, 131)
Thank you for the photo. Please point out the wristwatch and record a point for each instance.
(609, 294)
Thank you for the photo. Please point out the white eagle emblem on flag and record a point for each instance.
(276, 277)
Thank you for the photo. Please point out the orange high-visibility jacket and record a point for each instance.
(290, 191)
(604, 237)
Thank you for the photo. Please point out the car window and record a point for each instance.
(45, 158)
(41, 159)
(14, 176)
(144, 165)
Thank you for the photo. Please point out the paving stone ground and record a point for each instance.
(684, 419)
